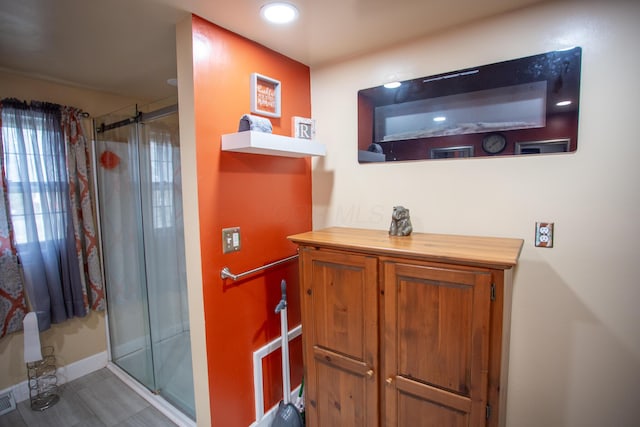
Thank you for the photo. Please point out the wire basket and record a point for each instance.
(43, 381)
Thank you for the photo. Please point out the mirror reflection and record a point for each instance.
(523, 106)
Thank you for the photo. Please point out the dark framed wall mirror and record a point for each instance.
(524, 106)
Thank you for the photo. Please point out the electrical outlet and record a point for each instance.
(544, 234)
(230, 240)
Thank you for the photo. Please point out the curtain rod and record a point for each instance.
(82, 113)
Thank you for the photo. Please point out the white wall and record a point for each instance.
(575, 343)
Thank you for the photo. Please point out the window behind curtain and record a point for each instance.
(38, 160)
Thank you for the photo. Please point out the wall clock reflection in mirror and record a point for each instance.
(494, 143)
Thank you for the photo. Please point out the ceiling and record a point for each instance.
(127, 47)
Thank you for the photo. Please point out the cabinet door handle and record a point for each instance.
(389, 380)
(370, 373)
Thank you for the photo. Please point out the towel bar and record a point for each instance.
(226, 274)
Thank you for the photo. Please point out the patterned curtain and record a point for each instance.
(12, 302)
(84, 227)
(46, 166)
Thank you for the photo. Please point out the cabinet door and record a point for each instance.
(340, 336)
(436, 346)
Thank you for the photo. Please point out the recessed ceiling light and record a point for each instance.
(563, 103)
(279, 13)
(392, 85)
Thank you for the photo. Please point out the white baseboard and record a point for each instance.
(78, 369)
(65, 374)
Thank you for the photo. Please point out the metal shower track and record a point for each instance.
(140, 117)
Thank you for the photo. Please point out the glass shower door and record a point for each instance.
(120, 202)
(165, 257)
(140, 198)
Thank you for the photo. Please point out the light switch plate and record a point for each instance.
(544, 234)
(230, 240)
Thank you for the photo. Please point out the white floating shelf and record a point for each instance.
(271, 145)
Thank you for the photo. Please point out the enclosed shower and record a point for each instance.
(137, 157)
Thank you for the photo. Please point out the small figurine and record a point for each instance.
(400, 222)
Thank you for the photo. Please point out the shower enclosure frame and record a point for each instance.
(181, 414)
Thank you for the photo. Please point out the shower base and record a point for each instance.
(174, 360)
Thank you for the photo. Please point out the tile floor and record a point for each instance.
(99, 399)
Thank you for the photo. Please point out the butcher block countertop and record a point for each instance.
(491, 252)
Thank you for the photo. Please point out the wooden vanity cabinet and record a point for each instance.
(405, 331)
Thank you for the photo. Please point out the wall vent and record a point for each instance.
(7, 403)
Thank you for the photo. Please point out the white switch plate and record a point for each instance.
(230, 240)
(544, 234)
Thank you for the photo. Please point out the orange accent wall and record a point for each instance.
(268, 197)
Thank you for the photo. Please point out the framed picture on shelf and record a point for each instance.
(302, 127)
(265, 95)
